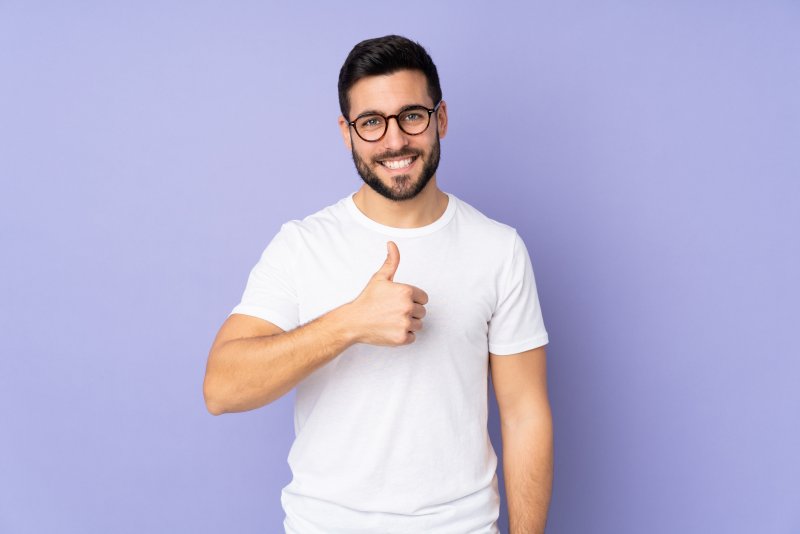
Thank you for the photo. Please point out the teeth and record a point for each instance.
(399, 164)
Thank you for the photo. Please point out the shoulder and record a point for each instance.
(488, 231)
(317, 225)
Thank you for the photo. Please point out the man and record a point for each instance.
(390, 415)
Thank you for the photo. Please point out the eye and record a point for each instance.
(370, 121)
(412, 116)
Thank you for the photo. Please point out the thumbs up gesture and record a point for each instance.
(386, 312)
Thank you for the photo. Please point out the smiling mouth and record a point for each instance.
(398, 163)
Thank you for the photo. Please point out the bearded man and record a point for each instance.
(390, 358)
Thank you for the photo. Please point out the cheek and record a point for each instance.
(364, 156)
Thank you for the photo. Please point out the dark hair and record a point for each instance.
(385, 55)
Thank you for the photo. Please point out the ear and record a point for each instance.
(345, 129)
(441, 116)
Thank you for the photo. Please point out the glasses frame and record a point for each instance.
(386, 121)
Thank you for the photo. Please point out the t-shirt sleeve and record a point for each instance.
(270, 293)
(516, 324)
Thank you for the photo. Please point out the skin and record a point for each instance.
(253, 362)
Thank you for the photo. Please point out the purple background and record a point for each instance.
(647, 153)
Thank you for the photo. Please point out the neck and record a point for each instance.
(422, 210)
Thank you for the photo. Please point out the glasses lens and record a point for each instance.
(414, 120)
(370, 127)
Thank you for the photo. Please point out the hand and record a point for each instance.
(387, 312)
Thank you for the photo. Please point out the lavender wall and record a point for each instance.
(648, 155)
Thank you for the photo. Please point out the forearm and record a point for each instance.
(248, 373)
(528, 472)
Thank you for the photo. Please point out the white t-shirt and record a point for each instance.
(395, 439)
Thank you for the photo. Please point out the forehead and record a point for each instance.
(389, 92)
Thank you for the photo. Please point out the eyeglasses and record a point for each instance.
(372, 127)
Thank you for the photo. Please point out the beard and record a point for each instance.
(402, 187)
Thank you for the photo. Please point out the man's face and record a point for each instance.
(399, 165)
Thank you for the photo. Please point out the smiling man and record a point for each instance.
(398, 154)
(391, 357)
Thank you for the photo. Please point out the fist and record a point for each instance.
(386, 312)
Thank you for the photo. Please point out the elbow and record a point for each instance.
(214, 409)
(212, 403)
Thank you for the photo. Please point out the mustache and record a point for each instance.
(396, 154)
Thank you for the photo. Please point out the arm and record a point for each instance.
(253, 362)
(520, 385)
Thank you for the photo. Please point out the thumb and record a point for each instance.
(389, 267)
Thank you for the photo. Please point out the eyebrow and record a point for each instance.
(404, 108)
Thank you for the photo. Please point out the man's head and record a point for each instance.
(387, 76)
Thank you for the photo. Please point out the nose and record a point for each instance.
(394, 137)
